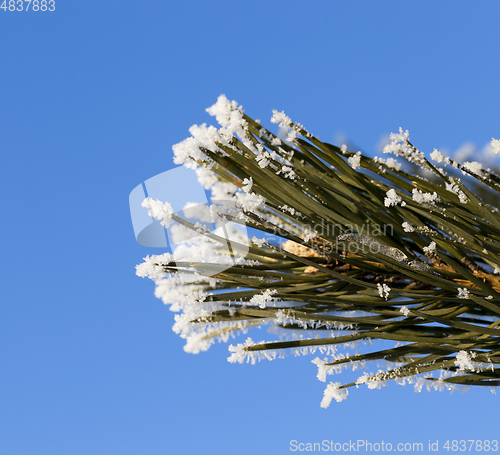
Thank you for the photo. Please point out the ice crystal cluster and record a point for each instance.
(351, 251)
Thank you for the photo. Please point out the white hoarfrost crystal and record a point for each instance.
(188, 151)
(193, 305)
(463, 293)
(280, 117)
(333, 391)
(262, 300)
(152, 266)
(247, 185)
(407, 227)
(362, 379)
(383, 290)
(288, 129)
(288, 172)
(206, 177)
(258, 242)
(405, 310)
(355, 160)
(390, 162)
(464, 361)
(288, 318)
(431, 248)
(309, 234)
(239, 355)
(372, 381)
(230, 117)
(402, 137)
(454, 188)
(323, 369)
(392, 198)
(250, 201)
(424, 198)
(289, 209)
(263, 159)
(437, 156)
(393, 164)
(160, 210)
(400, 146)
(474, 167)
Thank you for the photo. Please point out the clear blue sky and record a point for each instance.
(92, 97)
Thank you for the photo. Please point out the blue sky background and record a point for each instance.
(92, 97)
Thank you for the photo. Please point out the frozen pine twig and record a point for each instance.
(349, 248)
